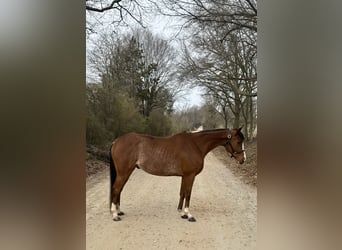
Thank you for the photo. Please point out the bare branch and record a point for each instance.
(252, 6)
(109, 7)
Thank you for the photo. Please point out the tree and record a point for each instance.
(227, 15)
(158, 88)
(140, 64)
(120, 12)
(135, 89)
(110, 114)
(221, 56)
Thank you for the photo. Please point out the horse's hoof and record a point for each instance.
(192, 219)
(184, 216)
(121, 213)
(117, 218)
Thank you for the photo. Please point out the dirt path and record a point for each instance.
(224, 207)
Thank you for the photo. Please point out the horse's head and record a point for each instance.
(235, 145)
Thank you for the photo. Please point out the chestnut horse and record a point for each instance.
(178, 155)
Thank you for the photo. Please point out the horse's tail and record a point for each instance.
(112, 172)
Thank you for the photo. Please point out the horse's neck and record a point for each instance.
(207, 141)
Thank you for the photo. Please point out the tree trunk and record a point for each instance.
(245, 112)
(251, 118)
(237, 112)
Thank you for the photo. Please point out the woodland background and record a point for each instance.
(138, 75)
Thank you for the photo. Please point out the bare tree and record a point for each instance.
(220, 54)
(227, 69)
(228, 15)
(141, 64)
(114, 12)
(160, 60)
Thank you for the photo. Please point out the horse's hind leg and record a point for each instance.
(117, 189)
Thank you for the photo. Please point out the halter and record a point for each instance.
(233, 151)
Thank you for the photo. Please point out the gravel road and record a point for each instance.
(225, 209)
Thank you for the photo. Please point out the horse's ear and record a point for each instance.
(239, 129)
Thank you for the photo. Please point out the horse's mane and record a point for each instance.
(219, 129)
(214, 130)
(208, 130)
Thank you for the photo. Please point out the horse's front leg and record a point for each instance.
(181, 197)
(186, 187)
(187, 213)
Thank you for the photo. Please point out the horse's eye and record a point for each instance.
(240, 142)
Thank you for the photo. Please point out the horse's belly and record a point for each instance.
(162, 169)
